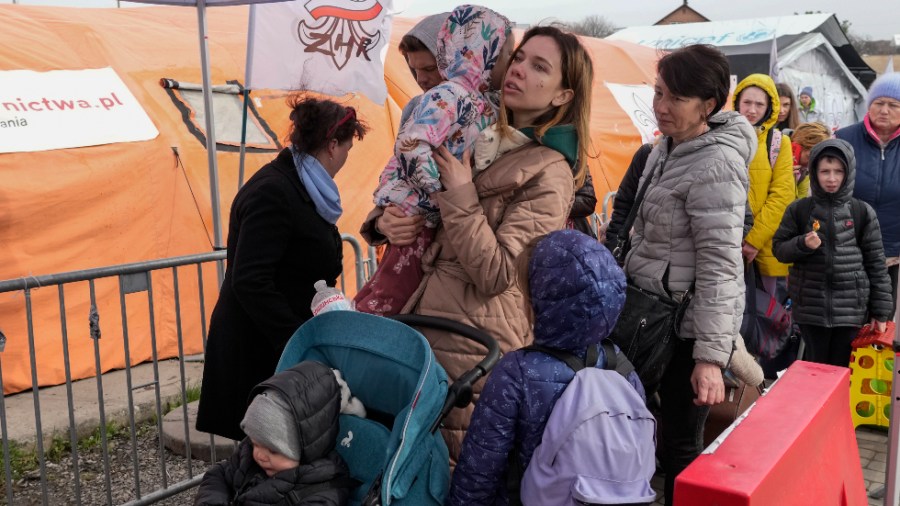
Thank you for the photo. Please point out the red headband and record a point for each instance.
(351, 114)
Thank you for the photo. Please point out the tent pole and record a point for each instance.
(243, 138)
(247, 66)
(890, 491)
(210, 136)
(892, 474)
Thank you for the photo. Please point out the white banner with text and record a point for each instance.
(637, 101)
(60, 109)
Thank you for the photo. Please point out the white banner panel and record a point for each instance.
(736, 32)
(329, 46)
(60, 109)
(637, 101)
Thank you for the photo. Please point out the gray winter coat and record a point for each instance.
(689, 231)
(844, 281)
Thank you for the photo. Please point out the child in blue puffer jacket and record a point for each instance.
(577, 292)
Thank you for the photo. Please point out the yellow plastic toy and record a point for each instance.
(871, 377)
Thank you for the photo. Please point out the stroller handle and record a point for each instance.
(469, 332)
(459, 394)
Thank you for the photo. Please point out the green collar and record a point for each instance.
(562, 138)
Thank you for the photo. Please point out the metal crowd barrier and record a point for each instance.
(606, 213)
(132, 278)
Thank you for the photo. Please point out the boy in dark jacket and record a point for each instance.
(288, 456)
(577, 292)
(838, 280)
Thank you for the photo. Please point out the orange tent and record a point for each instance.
(77, 208)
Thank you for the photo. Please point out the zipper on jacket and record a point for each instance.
(829, 261)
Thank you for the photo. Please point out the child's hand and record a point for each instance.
(879, 326)
(812, 240)
(453, 172)
(749, 251)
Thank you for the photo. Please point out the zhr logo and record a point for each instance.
(339, 32)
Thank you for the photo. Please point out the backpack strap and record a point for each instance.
(859, 218)
(571, 360)
(615, 361)
(773, 145)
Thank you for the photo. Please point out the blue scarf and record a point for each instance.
(320, 186)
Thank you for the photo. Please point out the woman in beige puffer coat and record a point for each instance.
(526, 169)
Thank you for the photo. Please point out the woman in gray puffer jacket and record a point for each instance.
(688, 233)
(843, 282)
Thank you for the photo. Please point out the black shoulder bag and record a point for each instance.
(649, 322)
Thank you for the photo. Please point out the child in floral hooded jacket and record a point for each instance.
(474, 46)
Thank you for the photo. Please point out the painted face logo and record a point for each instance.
(338, 31)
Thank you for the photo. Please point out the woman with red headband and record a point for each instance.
(282, 238)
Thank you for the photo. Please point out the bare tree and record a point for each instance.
(594, 25)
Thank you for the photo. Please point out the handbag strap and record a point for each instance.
(624, 238)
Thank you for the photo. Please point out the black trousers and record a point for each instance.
(682, 422)
(827, 345)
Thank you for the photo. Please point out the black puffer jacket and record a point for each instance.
(321, 478)
(625, 195)
(844, 281)
(584, 206)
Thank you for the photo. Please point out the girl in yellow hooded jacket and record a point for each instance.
(771, 185)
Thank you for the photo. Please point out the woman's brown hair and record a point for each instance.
(698, 70)
(793, 117)
(578, 76)
(315, 121)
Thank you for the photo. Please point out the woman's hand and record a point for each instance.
(812, 240)
(708, 384)
(453, 172)
(749, 251)
(398, 228)
(879, 326)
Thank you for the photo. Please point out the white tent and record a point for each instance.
(812, 51)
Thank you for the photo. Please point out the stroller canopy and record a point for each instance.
(393, 371)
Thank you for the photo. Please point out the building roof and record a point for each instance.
(682, 14)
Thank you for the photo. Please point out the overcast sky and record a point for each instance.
(879, 19)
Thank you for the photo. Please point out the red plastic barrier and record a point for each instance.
(796, 446)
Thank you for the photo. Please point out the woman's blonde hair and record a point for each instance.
(578, 76)
(808, 135)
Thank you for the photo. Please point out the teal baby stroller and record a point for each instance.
(396, 452)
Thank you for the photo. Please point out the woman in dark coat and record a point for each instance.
(282, 238)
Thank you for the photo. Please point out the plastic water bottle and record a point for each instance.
(328, 299)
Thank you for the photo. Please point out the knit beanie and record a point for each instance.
(888, 85)
(807, 90)
(270, 422)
